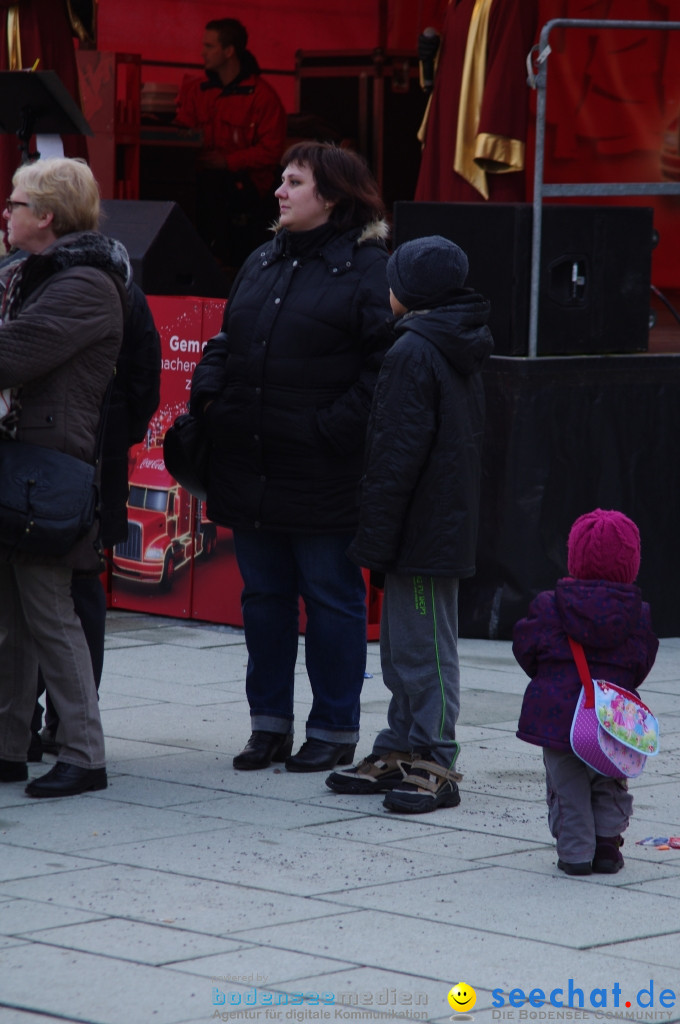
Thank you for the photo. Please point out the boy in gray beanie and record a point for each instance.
(418, 519)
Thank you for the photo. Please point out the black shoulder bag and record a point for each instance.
(186, 453)
(48, 499)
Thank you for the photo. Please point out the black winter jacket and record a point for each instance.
(420, 491)
(134, 400)
(292, 377)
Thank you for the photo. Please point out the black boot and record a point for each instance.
(608, 858)
(320, 756)
(581, 867)
(262, 748)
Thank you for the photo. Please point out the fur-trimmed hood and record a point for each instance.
(338, 251)
(376, 230)
(84, 248)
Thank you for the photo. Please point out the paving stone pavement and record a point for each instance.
(188, 892)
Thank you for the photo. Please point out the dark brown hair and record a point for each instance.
(343, 178)
(230, 32)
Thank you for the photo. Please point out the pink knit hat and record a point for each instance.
(604, 545)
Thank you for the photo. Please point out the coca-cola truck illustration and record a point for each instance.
(166, 526)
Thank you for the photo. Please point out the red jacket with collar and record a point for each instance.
(244, 121)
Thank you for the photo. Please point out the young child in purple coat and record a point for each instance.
(600, 606)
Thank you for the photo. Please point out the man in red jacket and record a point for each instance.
(243, 124)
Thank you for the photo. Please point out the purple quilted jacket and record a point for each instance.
(614, 625)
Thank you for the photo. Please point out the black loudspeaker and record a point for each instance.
(167, 254)
(595, 274)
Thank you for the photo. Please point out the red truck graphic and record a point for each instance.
(166, 526)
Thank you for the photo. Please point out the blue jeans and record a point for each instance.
(278, 569)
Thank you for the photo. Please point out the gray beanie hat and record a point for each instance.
(426, 271)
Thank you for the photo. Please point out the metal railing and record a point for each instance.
(539, 80)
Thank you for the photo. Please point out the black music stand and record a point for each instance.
(37, 101)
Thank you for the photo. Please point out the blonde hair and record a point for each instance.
(64, 187)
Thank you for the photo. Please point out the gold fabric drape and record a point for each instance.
(14, 62)
(497, 154)
(471, 95)
(83, 17)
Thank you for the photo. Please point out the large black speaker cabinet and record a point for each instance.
(595, 272)
(167, 254)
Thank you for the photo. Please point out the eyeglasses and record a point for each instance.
(11, 204)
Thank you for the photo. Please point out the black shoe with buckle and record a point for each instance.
(262, 748)
(67, 780)
(319, 756)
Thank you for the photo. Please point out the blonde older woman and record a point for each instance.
(61, 325)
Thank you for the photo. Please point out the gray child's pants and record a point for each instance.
(582, 804)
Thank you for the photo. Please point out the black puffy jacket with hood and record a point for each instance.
(291, 378)
(420, 491)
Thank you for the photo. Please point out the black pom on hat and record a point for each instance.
(426, 272)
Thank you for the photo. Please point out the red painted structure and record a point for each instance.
(171, 30)
(613, 115)
(175, 561)
(613, 103)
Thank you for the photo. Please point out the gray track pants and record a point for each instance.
(419, 655)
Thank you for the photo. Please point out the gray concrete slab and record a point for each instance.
(134, 941)
(190, 892)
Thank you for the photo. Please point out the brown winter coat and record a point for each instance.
(60, 348)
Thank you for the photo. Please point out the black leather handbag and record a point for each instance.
(186, 453)
(48, 500)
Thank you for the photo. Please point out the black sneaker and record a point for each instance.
(377, 773)
(426, 786)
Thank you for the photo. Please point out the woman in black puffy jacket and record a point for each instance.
(285, 390)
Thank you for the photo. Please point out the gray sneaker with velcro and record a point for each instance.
(377, 773)
(426, 786)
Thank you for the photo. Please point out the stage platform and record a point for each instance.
(565, 434)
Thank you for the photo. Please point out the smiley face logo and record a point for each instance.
(462, 997)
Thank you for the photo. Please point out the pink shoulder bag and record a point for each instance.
(612, 730)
